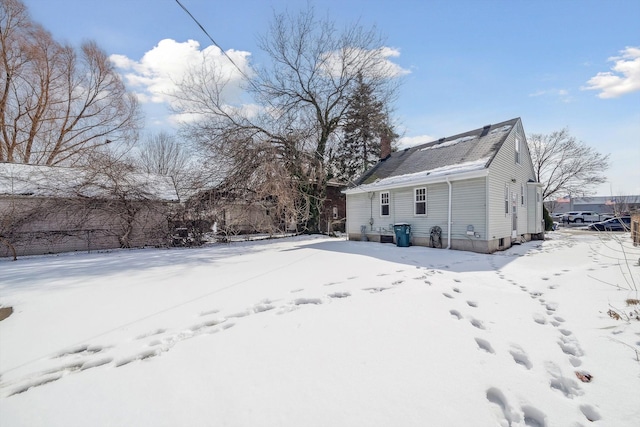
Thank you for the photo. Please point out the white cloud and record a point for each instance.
(562, 94)
(624, 77)
(154, 77)
(379, 64)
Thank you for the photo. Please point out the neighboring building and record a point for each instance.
(244, 213)
(478, 187)
(52, 209)
(604, 205)
(335, 209)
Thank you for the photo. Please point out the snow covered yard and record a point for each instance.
(314, 331)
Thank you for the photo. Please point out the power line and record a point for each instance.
(215, 44)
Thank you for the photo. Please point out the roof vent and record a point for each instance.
(485, 130)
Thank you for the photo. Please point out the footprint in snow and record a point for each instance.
(304, 301)
(80, 350)
(551, 306)
(472, 304)
(375, 290)
(484, 345)
(331, 283)
(339, 295)
(590, 413)
(143, 355)
(520, 356)
(447, 295)
(539, 318)
(477, 323)
(456, 314)
(504, 412)
(567, 386)
(209, 312)
(534, 417)
(152, 333)
(570, 346)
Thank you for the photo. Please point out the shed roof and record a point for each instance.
(48, 181)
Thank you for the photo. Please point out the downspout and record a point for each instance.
(449, 217)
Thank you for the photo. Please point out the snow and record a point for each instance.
(450, 143)
(501, 129)
(47, 181)
(436, 174)
(319, 331)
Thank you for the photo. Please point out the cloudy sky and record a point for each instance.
(465, 63)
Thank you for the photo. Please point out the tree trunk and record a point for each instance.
(10, 246)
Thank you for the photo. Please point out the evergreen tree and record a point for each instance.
(366, 122)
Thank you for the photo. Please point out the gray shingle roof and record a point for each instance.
(472, 146)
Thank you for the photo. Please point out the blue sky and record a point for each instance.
(554, 63)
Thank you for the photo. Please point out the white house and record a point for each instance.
(478, 187)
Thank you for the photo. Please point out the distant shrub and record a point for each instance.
(548, 222)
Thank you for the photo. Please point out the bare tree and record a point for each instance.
(57, 106)
(163, 154)
(125, 198)
(565, 165)
(623, 205)
(301, 100)
(106, 203)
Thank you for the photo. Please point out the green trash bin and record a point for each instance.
(403, 234)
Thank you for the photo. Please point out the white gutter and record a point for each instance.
(449, 217)
(382, 186)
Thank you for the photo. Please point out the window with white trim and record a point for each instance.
(517, 146)
(420, 201)
(522, 197)
(506, 199)
(384, 204)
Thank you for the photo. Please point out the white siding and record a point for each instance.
(505, 171)
(358, 212)
(469, 208)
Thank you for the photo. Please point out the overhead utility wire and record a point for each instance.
(215, 44)
(223, 52)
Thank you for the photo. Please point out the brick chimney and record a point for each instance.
(385, 146)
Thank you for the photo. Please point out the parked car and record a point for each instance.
(581, 216)
(557, 216)
(622, 223)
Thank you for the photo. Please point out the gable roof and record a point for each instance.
(468, 153)
(53, 181)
